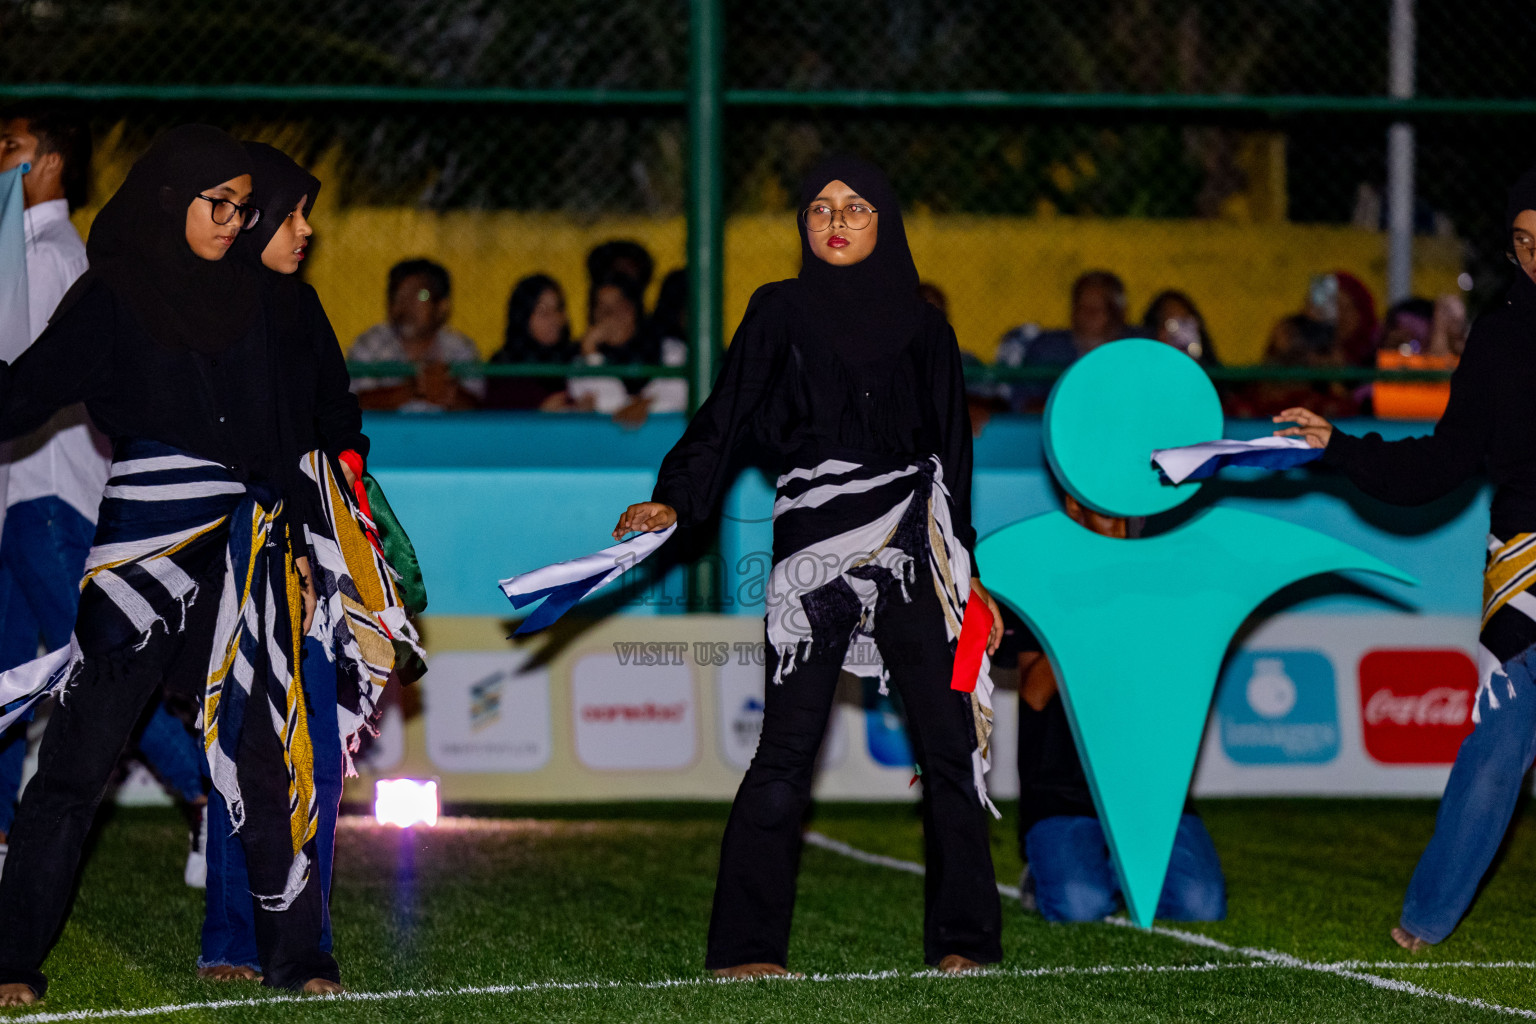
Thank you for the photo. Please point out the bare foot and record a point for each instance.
(957, 964)
(322, 987)
(227, 972)
(17, 995)
(1409, 941)
(755, 971)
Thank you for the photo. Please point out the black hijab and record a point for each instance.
(1522, 196)
(871, 308)
(519, 346)
(280, 184)
(138, 244)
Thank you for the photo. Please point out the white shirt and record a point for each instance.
(66, 457)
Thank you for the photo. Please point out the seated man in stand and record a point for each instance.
(419, 294)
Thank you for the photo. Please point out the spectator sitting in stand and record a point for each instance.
(1172, 319)
(1068, 875)
(538, 332)
(615, 311)
(1098, 316)
(665, 344)
(417, 332)
(1337, 325)
(1336, 328)
(1407, 327)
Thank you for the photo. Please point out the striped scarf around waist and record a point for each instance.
(164, 515)
(161, 521)
(846, 537)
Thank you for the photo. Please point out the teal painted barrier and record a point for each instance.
(485, 495)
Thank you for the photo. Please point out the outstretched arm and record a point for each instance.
(1416, 470)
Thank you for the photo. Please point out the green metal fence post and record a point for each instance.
(706, 230)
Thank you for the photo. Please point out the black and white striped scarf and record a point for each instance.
(164, 516)
(828, 578)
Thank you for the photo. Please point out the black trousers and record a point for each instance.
(87, 732)
(760, 854)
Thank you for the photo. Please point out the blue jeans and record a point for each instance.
(42, 559)
(1474, 814)
(1074, 880)
(229, 928)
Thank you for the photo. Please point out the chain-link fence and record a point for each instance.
(1212, 114)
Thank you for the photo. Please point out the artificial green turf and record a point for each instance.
(621, 894)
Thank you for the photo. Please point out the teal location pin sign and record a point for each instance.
(1136, 629)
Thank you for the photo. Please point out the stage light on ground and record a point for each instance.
(405, 802)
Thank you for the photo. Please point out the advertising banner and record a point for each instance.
(671, 708)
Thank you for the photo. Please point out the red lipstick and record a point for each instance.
(836, 242)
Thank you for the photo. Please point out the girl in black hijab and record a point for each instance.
(324, 415)
(166, 340)
(549, 342)
(1488, 428)
(853, 385)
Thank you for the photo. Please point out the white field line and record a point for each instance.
(1258, 959)
(666, 983)
(1269, 956)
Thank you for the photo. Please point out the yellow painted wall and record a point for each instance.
(997, 271)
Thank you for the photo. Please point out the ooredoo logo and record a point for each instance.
(633, 717)
(1416, 705)
(646, 712)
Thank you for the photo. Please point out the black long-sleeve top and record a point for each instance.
(255, 406)
(802, 403)
(1489, 425)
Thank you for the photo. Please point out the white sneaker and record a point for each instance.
(196, 872)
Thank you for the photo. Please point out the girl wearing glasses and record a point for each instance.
(1489, 426)
(853, 385)
(196, 568)
(323, 415)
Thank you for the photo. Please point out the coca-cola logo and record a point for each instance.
(1444, 705)
(1416, 704)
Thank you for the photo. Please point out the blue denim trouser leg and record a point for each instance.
(13, 755)
(1195, 889)
(229, 916)
(1075, 881)
(1069, 863)
(325, 737)
(42, 557)
(229, 928)
(1474, 814)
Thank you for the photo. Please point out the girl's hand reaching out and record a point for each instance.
(645, 517)
(1309, 425)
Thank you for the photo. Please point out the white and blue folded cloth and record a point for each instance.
(1199, 461)
(563, 584)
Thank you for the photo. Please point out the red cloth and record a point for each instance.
(354, 462)
(975, 628)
